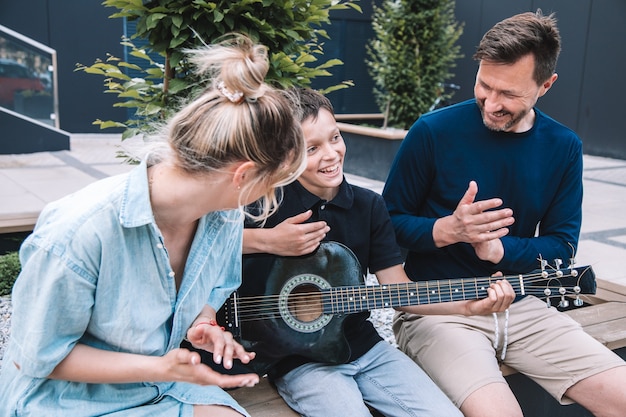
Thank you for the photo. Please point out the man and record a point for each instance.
(322, 206)
(493, 185)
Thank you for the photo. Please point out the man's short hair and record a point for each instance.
(517, 36)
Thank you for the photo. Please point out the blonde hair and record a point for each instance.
(238, 118)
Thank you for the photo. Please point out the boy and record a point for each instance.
(322, 206)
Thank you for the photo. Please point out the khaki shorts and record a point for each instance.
(459, 355)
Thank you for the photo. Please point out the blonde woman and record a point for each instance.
(117, 274)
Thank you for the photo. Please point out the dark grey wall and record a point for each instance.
(80, 31)
(588, 95)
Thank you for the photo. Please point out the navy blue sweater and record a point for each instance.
(538, 174)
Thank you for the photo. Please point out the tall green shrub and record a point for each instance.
(292, 30)
(411, 55)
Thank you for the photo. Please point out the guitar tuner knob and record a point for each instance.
(547, 293)
(563, 303)
(558, 263)
(577, 301)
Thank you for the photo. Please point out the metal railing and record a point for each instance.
(28, 77)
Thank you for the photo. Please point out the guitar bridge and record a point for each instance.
(230, 315)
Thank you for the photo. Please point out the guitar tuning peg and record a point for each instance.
(557, 264)
(577, 301)
(547, 293)
(572, 260)
(563, 303)
(543, 263)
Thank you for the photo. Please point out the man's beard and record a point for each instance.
(514, 119)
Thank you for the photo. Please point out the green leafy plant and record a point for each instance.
(291, 29)
(411, 55)
(9, 270)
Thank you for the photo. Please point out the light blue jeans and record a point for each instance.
(384, 378)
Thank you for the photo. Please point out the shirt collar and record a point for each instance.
(135, 207)
(343, 199)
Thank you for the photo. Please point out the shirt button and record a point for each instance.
(171, 274)
(323, 206)
(160, 245)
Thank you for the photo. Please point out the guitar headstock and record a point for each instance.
(548, 283)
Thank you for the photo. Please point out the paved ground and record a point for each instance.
(29, 181)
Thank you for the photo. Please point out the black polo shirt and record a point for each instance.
(358, 218)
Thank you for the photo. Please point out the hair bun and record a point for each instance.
(237, 66)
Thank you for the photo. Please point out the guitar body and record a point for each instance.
(290, 327)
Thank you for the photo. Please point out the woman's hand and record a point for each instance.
(209, 336)
(184, 365)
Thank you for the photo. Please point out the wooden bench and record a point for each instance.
(605, 321)
(18, 222)
(263, 400)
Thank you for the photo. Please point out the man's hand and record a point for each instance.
(477, 223)
(292, 237)
(500, 295)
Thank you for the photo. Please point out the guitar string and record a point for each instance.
(258, 312)
(422, 290)
(250, 307)
(422, 286)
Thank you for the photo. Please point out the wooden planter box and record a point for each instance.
(370, 150)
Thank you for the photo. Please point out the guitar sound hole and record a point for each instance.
(305, 303)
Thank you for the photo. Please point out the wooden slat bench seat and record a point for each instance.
(18, 222)
(605, 321)
(263, 400)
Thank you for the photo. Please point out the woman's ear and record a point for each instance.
(241, 171)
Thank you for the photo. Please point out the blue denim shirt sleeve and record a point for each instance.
(96, 271)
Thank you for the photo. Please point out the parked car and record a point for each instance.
(16, 78)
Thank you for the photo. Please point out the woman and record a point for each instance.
(116, 275)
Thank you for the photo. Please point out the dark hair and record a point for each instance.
(308, 103)
(520, 35)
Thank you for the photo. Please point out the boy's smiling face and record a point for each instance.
(325, 152)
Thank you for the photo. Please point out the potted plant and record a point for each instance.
(409, 59)
(292, 30)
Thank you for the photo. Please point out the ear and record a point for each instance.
(240, 172)
(547, 84)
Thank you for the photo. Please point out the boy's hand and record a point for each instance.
(292, 237)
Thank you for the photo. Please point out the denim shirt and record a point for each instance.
(96, 271)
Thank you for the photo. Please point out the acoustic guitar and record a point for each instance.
(307, 300)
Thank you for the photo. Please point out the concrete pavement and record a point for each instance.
(29, 181)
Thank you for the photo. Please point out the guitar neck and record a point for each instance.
(352, 299)
(357, 298)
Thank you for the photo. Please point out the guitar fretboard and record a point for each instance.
(353, 299)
